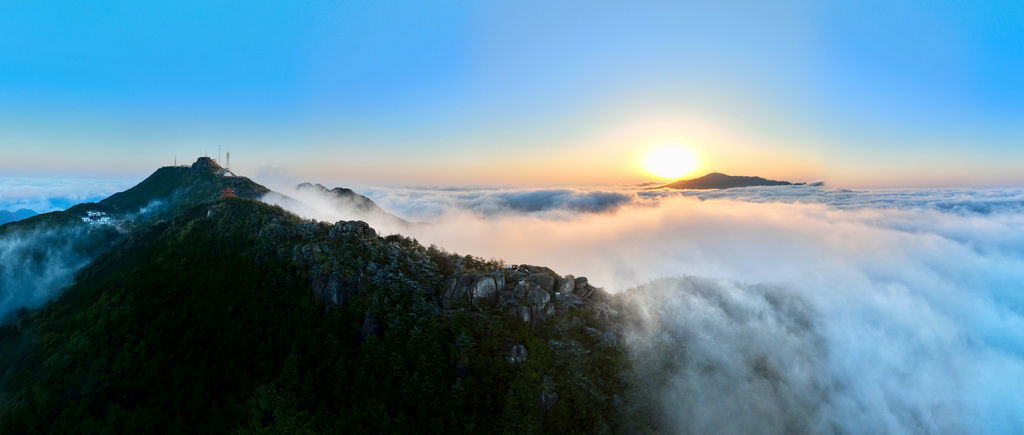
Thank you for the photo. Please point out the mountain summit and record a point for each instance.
(718, 180)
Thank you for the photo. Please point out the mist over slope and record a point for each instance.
(897, 311)
(39, 258)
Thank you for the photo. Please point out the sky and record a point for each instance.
(859, 94)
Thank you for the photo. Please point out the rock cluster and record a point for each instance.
(205, 164)
(472, 291)
(532, 294)
(342, 228)
(517, 355)
(335, 289)
(548, 396)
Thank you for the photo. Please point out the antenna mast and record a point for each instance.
(229, 162)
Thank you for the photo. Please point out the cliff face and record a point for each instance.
(237, 315)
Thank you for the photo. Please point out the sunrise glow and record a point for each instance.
(670, 161)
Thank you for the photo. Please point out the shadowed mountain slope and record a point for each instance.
(237, 316)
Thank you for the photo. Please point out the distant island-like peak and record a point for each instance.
(718, 180)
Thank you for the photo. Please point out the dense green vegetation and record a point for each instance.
(206, 323)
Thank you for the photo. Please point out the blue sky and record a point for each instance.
(869, 93)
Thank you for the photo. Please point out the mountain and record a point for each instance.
(362, 208)
(41, 254)
(8, 216)
(226, 314)
(716, 180)
(175, 188)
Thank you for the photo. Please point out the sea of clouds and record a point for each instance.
(782, 309)
(43, 195)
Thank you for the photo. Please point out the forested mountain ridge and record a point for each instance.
(236, 316)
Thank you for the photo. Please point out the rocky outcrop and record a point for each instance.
(517, 355)
(206, 164)
(566, 285)
(548, 395)
(335, 289)
(473, 290)
(545, 281)
(583, 289)
(531, 294)
(484, 293)
(341, 228)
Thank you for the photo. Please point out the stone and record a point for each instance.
(458, 294)
(543, 312)
(580, 282)
(517, 275)
(584, 291)
(517, 355)
(520, 291)
(548, 395)
(537, 296)
(522, 313)
(499, 280)
(484, 293)
(545, 282)
(564, 286)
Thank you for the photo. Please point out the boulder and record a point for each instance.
(548, 395)
(564, 285)
(543, 312)
(457, 292)
(520, 291)
(516, 355)
(522, 313)
(545, 282)
(584, 291)
(580, 282)
(517, 275)
(537, 296)
(484, 293)
(499, 280)
(531, 269)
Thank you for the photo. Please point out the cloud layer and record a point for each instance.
(49, 194)
(814, 309)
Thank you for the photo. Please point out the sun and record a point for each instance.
(670, 161)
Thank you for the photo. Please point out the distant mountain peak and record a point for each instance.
(718, 180)
(8, 216)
